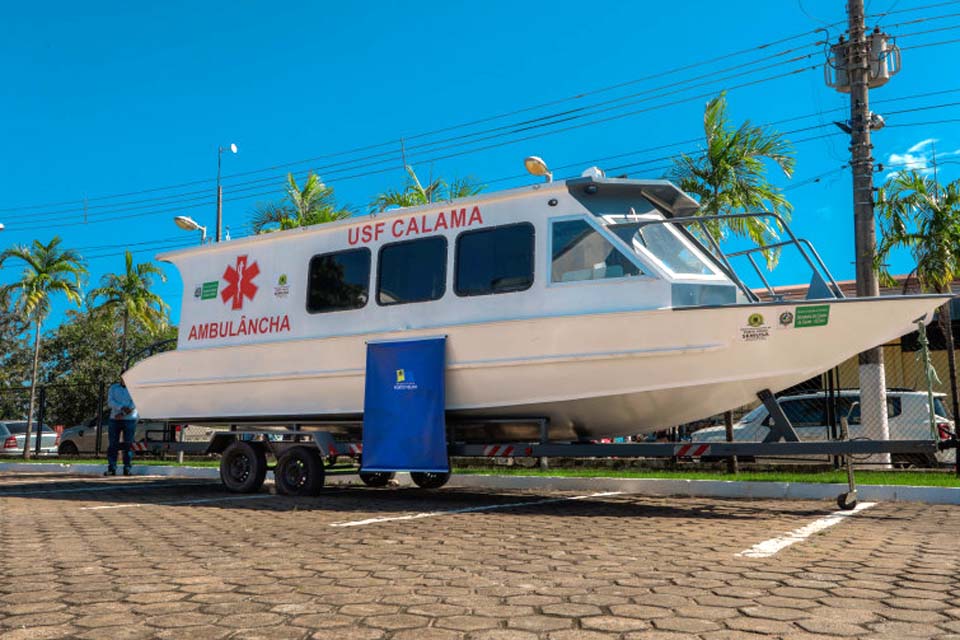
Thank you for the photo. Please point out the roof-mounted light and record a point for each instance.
(537, 167)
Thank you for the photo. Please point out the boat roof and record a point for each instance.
(663, 193)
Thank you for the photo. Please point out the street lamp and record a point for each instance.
(220, 150)
(189, 224)
(537, 167)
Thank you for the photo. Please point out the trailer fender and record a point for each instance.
(326, 444)
(220, 442)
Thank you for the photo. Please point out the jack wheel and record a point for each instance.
(429, 479)
(299, 472)
(376, 478)
(847, 501)
(243, 467)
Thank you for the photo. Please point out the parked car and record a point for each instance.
(82, 438)
(14, 433)
(908, 417)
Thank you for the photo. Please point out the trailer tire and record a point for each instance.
(377, 478)
(299, 472)
(430, 479)
(243, 467)
(68, 449)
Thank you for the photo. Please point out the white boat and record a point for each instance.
(586, 302)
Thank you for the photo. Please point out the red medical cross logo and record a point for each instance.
(240, 282)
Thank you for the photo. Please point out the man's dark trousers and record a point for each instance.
(115, 428)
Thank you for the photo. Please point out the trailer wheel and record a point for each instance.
(243, 467)
(429, 479)
(376, 478)
(299, 472)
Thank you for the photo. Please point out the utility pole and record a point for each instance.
(873, 382)
(862, 62)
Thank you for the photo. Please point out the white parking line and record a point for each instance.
(130, 505)
(489, 507)
(770, 547)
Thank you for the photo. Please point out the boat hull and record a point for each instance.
(592, 376)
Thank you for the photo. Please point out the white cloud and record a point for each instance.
(918, 157)
(920, 145)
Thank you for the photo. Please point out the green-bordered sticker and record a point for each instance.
(209, 290)
(813, 316)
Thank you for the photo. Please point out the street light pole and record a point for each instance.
(219, 193)
(220, 151)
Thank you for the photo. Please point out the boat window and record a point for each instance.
(338, 281)
(580, 252)
(412, 271)
(494, 260)
(663, 243)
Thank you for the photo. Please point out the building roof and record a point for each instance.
(902, 286)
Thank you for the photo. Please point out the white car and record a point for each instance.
(908, 417)
(13, 435)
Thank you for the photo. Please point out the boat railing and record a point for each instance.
(820, 273)
(149, 350)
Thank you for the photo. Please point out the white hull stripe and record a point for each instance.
(770, 547)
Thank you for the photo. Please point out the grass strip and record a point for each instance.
(934, 478)
(931, 478)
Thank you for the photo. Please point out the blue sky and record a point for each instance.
(108, 98)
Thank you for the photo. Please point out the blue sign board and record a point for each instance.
(404, 422)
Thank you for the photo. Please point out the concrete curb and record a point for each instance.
(713, 488)
(98, 469)
(640, 486)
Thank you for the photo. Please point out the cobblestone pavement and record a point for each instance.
(159, 558)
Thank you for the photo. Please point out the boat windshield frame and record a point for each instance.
(647, 271)
(715, 274)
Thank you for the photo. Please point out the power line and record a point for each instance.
(930, 44)
(927, 122)
(433, 132)
(456, 154)
(925, 31)
(479, 136)
(912, 9)
(205, 199)
(202, 195)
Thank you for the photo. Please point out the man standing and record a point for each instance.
(123, 420)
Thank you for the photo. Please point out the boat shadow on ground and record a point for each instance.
(368, 502)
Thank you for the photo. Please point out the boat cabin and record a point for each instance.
(580, 246)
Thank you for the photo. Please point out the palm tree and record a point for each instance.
(729, 175)
(300, 207)
(49, 270)
(130, 293)
(414, 193)
(918, 215)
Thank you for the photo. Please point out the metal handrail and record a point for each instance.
(149, 350)
(799, 243)
(823, 267)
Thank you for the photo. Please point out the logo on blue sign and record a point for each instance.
(405, 380)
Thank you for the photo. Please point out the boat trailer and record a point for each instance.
(302, 450)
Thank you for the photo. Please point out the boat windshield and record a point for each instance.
(665, 245)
